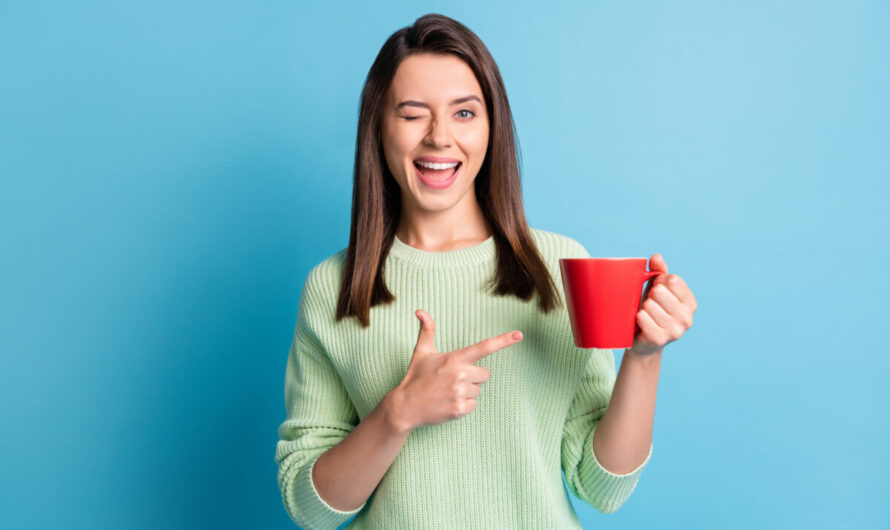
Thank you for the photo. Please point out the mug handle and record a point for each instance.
(648, 275)
(651, 274)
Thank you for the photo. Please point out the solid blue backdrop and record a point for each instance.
(172, 170)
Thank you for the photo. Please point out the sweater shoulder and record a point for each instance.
(554, 246)
(323, 281)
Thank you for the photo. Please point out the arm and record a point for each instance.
(347, 474)
(665, 314)
(606, 481)
(624, 433)
(328, 462)
(587, 478)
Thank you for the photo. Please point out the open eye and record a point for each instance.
(465, 110)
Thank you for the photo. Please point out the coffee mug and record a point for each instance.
(603, 298)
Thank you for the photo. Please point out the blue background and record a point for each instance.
(172, 170)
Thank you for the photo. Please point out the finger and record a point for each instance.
(658, 314)
(647, 289)
(678, 286)
(471, 391)
(657, 263)
(478, 374)
(647, 325)
(475, 352)
(680, 313)
(669, 301)
(426, 335)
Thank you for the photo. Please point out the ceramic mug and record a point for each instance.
(603, 298)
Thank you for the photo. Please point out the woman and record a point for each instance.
(391, 425)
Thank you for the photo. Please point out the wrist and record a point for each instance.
(394, 413)
(646, 357)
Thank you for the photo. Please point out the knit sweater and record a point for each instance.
(501, 465)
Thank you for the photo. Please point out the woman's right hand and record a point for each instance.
(439, 387)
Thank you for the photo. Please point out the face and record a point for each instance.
(427, 113)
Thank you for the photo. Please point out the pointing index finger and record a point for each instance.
(475, 352)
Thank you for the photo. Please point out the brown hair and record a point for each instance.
(376, 196)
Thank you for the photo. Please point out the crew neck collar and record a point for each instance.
(479, 253)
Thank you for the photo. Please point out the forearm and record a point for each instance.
(346, 474)
(624, 433)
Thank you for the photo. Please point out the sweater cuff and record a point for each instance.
(610, 488)
(319, 511)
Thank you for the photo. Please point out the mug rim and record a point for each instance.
(600, 258)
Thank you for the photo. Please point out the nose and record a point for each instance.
(440, 133)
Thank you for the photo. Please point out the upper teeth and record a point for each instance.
(434, 165)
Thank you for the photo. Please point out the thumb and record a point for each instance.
(427, 332)
(657, 263)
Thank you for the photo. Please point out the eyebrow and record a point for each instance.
(411, 103)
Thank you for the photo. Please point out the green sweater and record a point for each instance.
(499, 466)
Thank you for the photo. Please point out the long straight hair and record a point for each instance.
(376, 196)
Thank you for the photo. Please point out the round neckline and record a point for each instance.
(479, 253)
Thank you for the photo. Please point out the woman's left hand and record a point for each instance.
(665, 312)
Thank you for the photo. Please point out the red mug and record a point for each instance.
(603, 298)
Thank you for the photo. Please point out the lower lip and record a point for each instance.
(438, 184)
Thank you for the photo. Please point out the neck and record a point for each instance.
(451, 229)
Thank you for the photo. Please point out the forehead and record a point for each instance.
(433, 78)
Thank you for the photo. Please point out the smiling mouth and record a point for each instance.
(437, 175)
(440, 179)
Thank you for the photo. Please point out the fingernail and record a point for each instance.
(517, 335)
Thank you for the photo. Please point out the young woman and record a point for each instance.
(444, 287)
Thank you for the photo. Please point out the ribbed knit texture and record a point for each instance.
(499, 466)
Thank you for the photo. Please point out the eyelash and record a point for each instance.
(409, 118)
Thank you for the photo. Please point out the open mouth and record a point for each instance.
(437, 178)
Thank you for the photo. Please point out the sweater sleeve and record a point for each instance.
(319, 415)
(586, 478)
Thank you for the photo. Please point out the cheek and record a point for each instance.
(401, 144)
(477, 140)
(473, 141)
(395, 150)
